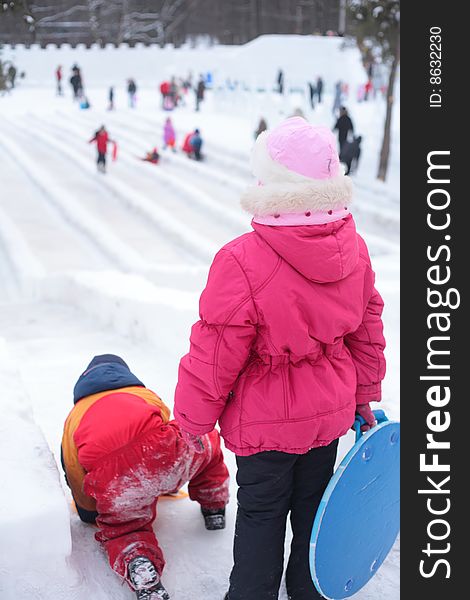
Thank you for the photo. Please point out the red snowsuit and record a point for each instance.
(101, 138)
(120, 453)
(126, 485)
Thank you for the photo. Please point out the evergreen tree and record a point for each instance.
(376, 26)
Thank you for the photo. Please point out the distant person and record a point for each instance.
(196, 144)
(312, 90)
(102, 139)
(262, 126)
(152, 157)
(350, 154)
(131, 91)
(319, 89)
(164, 91)
(338, 97)
(169, 135)
(344, 125)
(280, 81)
(11, 76)
(192, 145)
(173, 92)
(200, 91)
(111, 98)
(368, 88)
(169, 91)
(187, 83)
(58, 79)
(76, 82)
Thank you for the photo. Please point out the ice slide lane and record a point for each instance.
(224, 177)
(195, 246)
(70, 209)
(227, 172)
(374, 226)
(187, 197)
(372, 213)
(238, 165)
(39, 337)
(230, 161)
(20, 270)
(91, 194)
(54, 242)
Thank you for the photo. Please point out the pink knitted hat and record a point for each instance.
(298, 170)
(304, 149)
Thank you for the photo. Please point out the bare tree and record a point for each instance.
(161, 21)
(376, 25)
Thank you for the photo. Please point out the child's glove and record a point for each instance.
(193, 441)
(364, 411)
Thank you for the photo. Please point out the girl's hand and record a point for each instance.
(366, 413)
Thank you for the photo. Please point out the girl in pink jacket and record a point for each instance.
(288, 348)
(169, 136)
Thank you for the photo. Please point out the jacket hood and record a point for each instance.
(105, 372)
(321, 253)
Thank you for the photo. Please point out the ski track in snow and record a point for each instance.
(159, 222)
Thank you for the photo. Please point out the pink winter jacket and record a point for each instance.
(289, 340)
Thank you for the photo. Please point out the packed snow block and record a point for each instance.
(255, 63)
(129, 304)
(34, 516)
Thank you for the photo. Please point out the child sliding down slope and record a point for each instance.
(120, 453)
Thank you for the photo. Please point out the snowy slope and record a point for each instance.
(92, 264)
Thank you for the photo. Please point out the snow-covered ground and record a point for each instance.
(93, 263)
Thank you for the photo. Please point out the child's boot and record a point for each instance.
(145, 579)
(214, 518)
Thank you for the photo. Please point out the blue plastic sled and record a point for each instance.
(358, 519)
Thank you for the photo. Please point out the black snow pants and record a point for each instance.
(272, 484)
(101, 160)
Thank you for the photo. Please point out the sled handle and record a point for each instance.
(379, 415)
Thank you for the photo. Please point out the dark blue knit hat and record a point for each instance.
(107, 358)
(105, 372)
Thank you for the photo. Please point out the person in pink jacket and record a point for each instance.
(169, 136)
(288, 348)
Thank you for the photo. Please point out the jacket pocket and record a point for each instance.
(284, 391)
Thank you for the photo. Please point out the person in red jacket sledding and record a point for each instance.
(102, 140)
(152, 157)
(120, 452)
(192, 145)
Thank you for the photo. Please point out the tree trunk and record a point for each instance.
(385, 151)
(3, 83)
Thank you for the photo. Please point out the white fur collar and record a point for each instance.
(311, 194)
